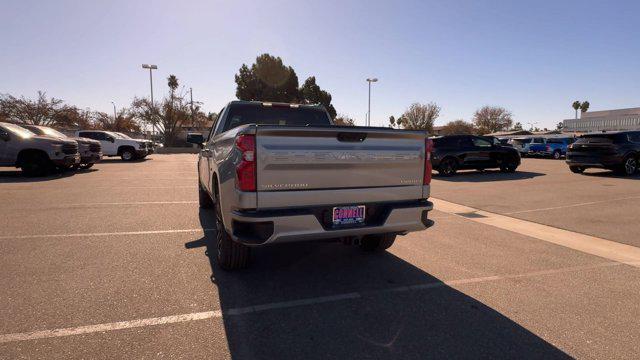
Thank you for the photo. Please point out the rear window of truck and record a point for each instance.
(243, 114)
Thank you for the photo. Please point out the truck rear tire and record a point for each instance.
(36, 164)
(231, 255)
(377, 242)
(557, 154)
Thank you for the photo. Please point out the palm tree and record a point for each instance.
(584, 107)
(576, 106)
(172, 82)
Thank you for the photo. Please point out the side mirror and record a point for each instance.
(195, 138)
(111, 139)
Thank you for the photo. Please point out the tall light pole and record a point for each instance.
(369, 107)
(115, 116)
(153, 105)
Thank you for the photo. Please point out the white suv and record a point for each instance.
(116, 144)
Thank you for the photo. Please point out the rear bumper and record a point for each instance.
(294, 225)
(67, 161)
(597, 161)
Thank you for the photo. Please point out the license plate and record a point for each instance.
(343, 215)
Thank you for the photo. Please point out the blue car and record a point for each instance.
(550, 147)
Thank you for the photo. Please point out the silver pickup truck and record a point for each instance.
(280, 173)
(35, 155)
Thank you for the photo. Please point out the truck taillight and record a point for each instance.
(548, 148)
(246, 169)
(428, 148)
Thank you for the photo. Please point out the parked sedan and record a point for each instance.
(451, 153)
(90, 150)
(618, 151)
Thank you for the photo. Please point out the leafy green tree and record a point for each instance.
(517, 127)
(489, 119)
(268, 79)
(576, 105)
(311, 93)
(560, 126)
(458, 127)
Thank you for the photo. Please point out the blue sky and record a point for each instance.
(533, 58)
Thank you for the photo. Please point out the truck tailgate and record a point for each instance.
(328, 165)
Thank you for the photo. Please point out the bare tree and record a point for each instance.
(489, 119)
(420, 116)
(458, 127)
(173, 113)
(344, 120)
(71, 117)
(123, 122)
(41, 111)
(144, 111)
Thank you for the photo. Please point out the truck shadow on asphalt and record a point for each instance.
(16, 176)
(487, 176)
(378, 317)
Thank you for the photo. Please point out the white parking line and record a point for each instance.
(585, 243)
(76, 186)
(573, 205)
(118, 204)
(149, 232)
(42, 334)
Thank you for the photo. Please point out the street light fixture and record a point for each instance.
(115, 116)
(153, 105)
(369, 108)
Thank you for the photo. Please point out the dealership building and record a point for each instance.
(605, 120)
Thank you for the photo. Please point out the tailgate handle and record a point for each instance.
(351, 137)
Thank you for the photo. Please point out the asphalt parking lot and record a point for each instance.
(112, 263)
